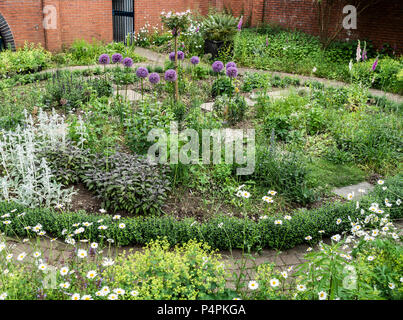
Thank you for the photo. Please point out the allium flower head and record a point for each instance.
(232, 72)
(104, 59)
(117, 58)
(154, 78)
(170, 75)
(142, 72)
(127, 62)
(181, 55)
(194, 60)
(217, 66)
(230, 64)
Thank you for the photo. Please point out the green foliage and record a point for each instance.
(284, 172)
(296, 52)
(69, 92)
(121, 181)
(149, 115)
(222, 85)
(231, 108)
(85, 53)
(189, 271)
(385, 270)
(30, 58)
(231, 234)
(219, 27)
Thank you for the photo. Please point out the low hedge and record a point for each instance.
(262, 234)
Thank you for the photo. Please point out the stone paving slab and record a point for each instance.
(355, 190)
(131, 95)
(208, 106)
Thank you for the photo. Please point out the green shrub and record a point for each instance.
(284, 172)
(231, 108)
(121, 181)
(221, 232)
(149, 115)
(189, 271)
(222, 85)
(69, 92)
(30, 58)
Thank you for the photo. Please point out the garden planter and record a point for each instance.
(213, 47)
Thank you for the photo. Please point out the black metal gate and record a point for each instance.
(123, 19)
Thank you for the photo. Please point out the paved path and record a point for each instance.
(356, 190)
(57, 252)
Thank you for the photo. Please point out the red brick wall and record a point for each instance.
(76, 19)
(380, 23)
(25, 20)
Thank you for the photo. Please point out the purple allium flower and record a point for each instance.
(181, 55)
(170, 75)
(172, 56)
(232, 72)
(375, 64)
(104, 59)
(230, 64)
(117, 58)
(217, 66)
(194, 60)
(154, 78)
(142, 72)
(127, 62)
(240, 24)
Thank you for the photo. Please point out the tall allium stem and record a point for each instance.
(176, 69)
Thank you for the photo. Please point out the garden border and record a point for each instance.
(220, 232)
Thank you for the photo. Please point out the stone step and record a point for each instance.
(356, 190)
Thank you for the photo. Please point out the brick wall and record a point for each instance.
(76, 19)
(92, 19)
(380, 23)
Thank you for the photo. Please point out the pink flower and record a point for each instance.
(375, 64)
(240, 24)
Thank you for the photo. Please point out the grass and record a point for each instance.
(335, 175)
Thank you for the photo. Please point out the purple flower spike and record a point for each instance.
(154, 78)
(230, 64)
(142, 72)
(217, 66)
(240, 24)
(104, 59)
(375, 64)
(194, 60)
(117, 58)
(127, 62)
(364, 55)
(170, 75)
(232, 72)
